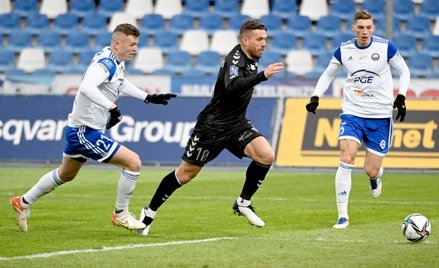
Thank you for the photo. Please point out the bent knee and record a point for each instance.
(134, 164)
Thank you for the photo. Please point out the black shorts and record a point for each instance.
(205, 143)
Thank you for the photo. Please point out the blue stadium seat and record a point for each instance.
(299, 25)
(322, 61)
(421, 65)
(269, 57)
(314, 43)
(102, 40)
(109, 7)
(178, 62)
(196, 8)
(211, 23)
(236, 21)
(208, 62)
(49, 41)
(180, 23)
(418, 26)
(23, 8)
(283, 43)
(18, 41)
(93, 23)
(340, 38)
(273, 23)
(166, 41)
(376, 7)
(81, 8)
(152, 24)
(344, 9)
(406, 45)
(226, 8)
(431, 46)
(7, 60)
(84, 59)
(143, 41)
(77, 41)
(284, 8)
(403, 9)
(9, 22)
(65, 23)
(429, 9)
(37, 23)
(329, 26)
(60, 61)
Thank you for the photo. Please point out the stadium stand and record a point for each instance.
(110, 7)
(436, 27)
(77, 41)
(152, 24)
(24, 8)
(60, 61)
(36, 23)
(406, 45)
(255, 8)
(211, 23)
(403, 9)
(31, 59)
(299, 25)
(7, 60)
(315, 43)
(299, 62)
(148, 60)
(418, 26)
(226, 8)
(421, 66)
(196, 8)
(236, 21)
(120, 17)
(53, 8)
(376, 7)
(139, 8)
(208, 62)
(81, 8)
(65, 23)
(94, 23)
(329, 26)
(9, 22)
(283, 43)
(5, 6)
(270, 56)
(194, 41)
(49, 41)
(180, 23)
(340, 38)
(343, 9)
(166, 41)
(429, 9)
(223, 41)
(273, 23)
(178, 62)
(308, 8)
(168, 8)
(430, 46)
(102, 40)
(284, 8)
(18, 41)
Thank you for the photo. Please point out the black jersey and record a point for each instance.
(233, 91)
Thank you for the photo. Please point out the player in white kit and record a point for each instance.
(95, 109)
(366, 107)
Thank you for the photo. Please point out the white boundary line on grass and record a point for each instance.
(130, 246)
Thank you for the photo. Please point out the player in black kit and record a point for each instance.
(223, 125)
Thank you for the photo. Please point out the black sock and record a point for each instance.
(168, 185)
(255, 175)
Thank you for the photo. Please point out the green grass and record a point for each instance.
(298, 208)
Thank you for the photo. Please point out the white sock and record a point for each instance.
(242, 202)
(343, 182)
(125, 188)
(45, 185)
(380, 173)
(150, 213)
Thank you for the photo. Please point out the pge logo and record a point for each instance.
(366, 78)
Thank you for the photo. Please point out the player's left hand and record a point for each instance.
(400, 105)
(115, 117)
(312, 104)
(159, 98)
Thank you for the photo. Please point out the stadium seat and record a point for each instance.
(53, 8)
(308, 8)
(223, 41)
(436, 26)
(166, 41)
(406, 45)
(31, 59)
(273, 23)
(430, 46)
(235, 22)
(60, 61)
(81, 8)
(178, 62)
(65, 23)
(255, 8)
(37, 23)
(376, 7)
(194, 41)
(283, 43)
(7, 60)
(25, 7)
(284, 8)
(208, 62)
(226, 8)
(18, 41)
(380, 27)
(403, 9)
(139, 8)
(322, 61)
(93, 23)
(120, 17)
(152, 24)
(299, 25)
(269, 57)
(109, 7)
(77, 41)
(181, 23)
(340, 38)
(196, 8)
(84, 59)
(211, 23)
(49, 41)
(418, 26)
(9, 22)
(299, 62)
(102, 40)
(329, 26)
(143, 41)
(343, 9)
(5, 6)
(168, 8)
(315, 43)
(429, 9)
(148, 59)
(421, 65)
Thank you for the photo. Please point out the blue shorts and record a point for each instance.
(376, 133)
(85, 142)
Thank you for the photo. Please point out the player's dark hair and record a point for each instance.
(250, 25)
(363, 15)
(127, 29)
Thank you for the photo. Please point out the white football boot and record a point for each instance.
(342, 223)
(250, 213)
(127, 221)
(376, 192)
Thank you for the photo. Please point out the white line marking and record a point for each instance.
(130, 246)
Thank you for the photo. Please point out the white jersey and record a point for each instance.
(99, 89)
(368, 90)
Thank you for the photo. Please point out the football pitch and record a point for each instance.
(71, 227)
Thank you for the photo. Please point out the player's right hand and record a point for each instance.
(312, 104)
(400, 105)
(115, 117)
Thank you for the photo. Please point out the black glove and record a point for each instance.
(400, 105)
(312, 104)
(115, 117)
(159, 98)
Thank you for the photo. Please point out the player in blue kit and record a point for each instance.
(366, 107)
(95, 109)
